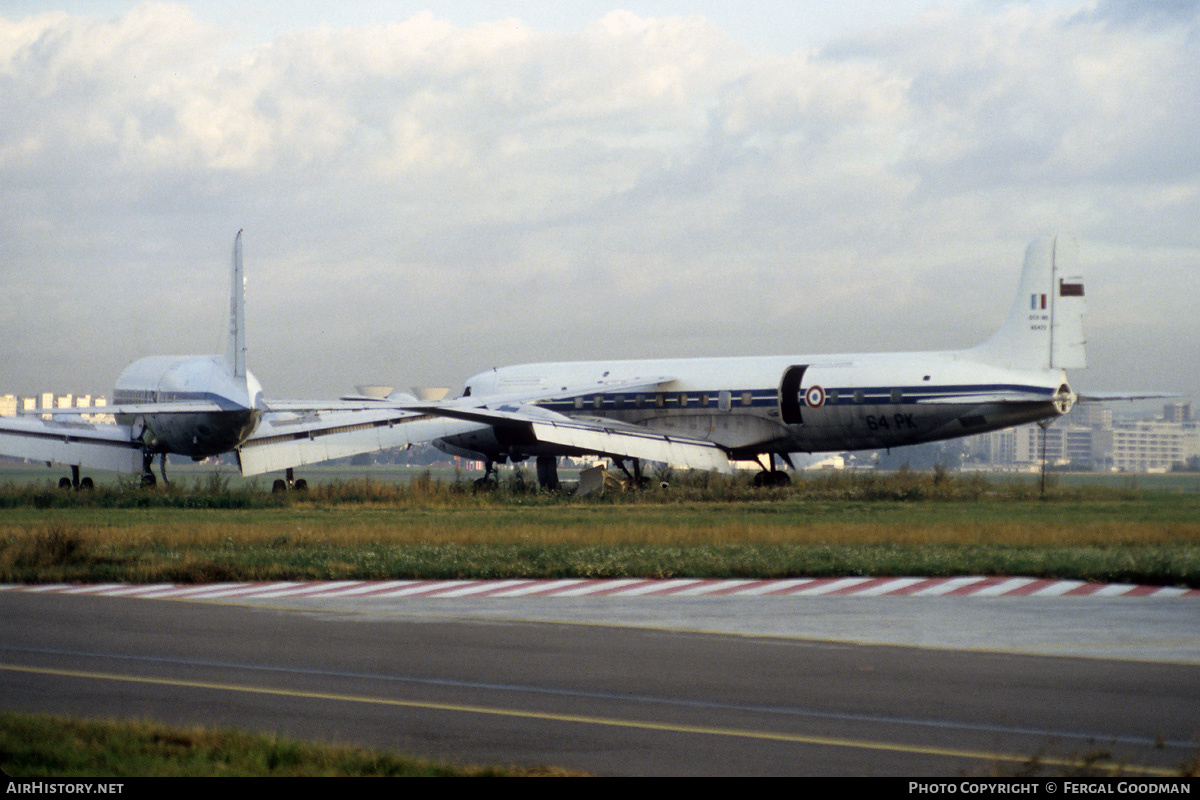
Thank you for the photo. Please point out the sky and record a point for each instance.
(429, 190)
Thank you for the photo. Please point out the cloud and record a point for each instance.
(423, 199)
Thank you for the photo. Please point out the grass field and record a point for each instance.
(704, 525)
(40, 745)
(425, 524)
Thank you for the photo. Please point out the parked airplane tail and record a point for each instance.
(1044, 329)
(235, 349)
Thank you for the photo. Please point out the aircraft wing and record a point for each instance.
(284, 440)
(563, 392)
(525, 424)
(95, 445)
(344, 404)
(296, 433)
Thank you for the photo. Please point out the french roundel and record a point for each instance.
(815, 397)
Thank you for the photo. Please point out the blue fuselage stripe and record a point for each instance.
(760, 398)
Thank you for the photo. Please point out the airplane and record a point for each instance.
(204, 406)
(744, 408)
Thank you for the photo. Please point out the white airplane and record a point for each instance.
(705, 412)
(202, 406)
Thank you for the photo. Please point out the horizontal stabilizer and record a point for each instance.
(1105, 397)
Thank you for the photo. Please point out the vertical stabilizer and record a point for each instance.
(1044, 329)
(235, 352)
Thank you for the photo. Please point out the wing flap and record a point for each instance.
(534, 425)
(645, 445)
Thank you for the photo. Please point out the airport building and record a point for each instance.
(11, 404)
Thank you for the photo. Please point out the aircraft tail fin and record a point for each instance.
(235, 351)
(1044, 328)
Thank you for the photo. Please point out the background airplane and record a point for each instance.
(202, 406)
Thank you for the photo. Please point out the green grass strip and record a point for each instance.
(40, 745)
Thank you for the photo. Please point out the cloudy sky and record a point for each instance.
(431, 189)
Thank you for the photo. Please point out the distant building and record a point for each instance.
(1177, 412)
(1150, 445)
(11, 404)
(1088, 438)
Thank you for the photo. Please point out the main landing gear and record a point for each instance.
(547, 473)
(75, 482)
(291, 484)
(636, 479)
(490, 479)
(773, 476)
(148, 479)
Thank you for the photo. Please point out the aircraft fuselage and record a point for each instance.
(782, 404)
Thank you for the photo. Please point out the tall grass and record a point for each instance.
(216, 491)
(702, 525)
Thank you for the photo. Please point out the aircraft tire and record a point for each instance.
(64, 483)
(87, 485)
(775, 477)
(278, 486)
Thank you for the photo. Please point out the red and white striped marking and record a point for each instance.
(622, 587)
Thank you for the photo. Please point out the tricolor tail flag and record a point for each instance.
(1037, 302)
(1074, 289)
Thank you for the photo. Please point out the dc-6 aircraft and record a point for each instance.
(751, 408)
(699, 413)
